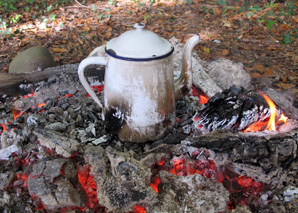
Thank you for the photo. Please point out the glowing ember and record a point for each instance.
(23, 179)
(271, 124)
(29, 95)
(3, 128)
(88, 185)
(241, 188)
(202, 98)
(16, 113)
(68, 95)
(39, 206)
(96, 89)
(41, 105)
(139, 209)
(154, 184)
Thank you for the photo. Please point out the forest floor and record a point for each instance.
(262, 35)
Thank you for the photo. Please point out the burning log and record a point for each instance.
(267, 158)
(236, 109)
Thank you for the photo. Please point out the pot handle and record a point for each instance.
(81, 69)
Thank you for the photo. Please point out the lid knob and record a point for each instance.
(139, 26)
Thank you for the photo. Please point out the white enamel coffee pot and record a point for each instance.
(139, 87)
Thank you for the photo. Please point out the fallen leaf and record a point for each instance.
(285, 26)
(42, 35)
(285, 86)
(225, 52)
(269, 72)
(296, 19)
(60, 50)
(272, 48)
(254, 75)
(206, 50)
(108, 35)
(284, 79)
(217, 11)
(226, 23)
(258, 67)
(24, 41)
(80, 41)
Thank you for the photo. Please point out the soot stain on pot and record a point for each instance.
(114, 119)
(184, 90)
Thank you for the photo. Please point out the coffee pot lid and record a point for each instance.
(139, 45)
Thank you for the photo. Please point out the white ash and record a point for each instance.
(8, 151)
(102, 139)
(290, 193)
(57, 126)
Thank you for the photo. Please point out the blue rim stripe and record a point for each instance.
(140, 59)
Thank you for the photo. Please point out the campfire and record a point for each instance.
(236, 149)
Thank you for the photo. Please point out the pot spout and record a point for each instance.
(184, 82)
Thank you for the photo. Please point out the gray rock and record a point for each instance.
(227, 73)
(32, 59)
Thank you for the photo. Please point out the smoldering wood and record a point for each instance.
(267, 158)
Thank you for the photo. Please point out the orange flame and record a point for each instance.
(271, 124)
(283, 118)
